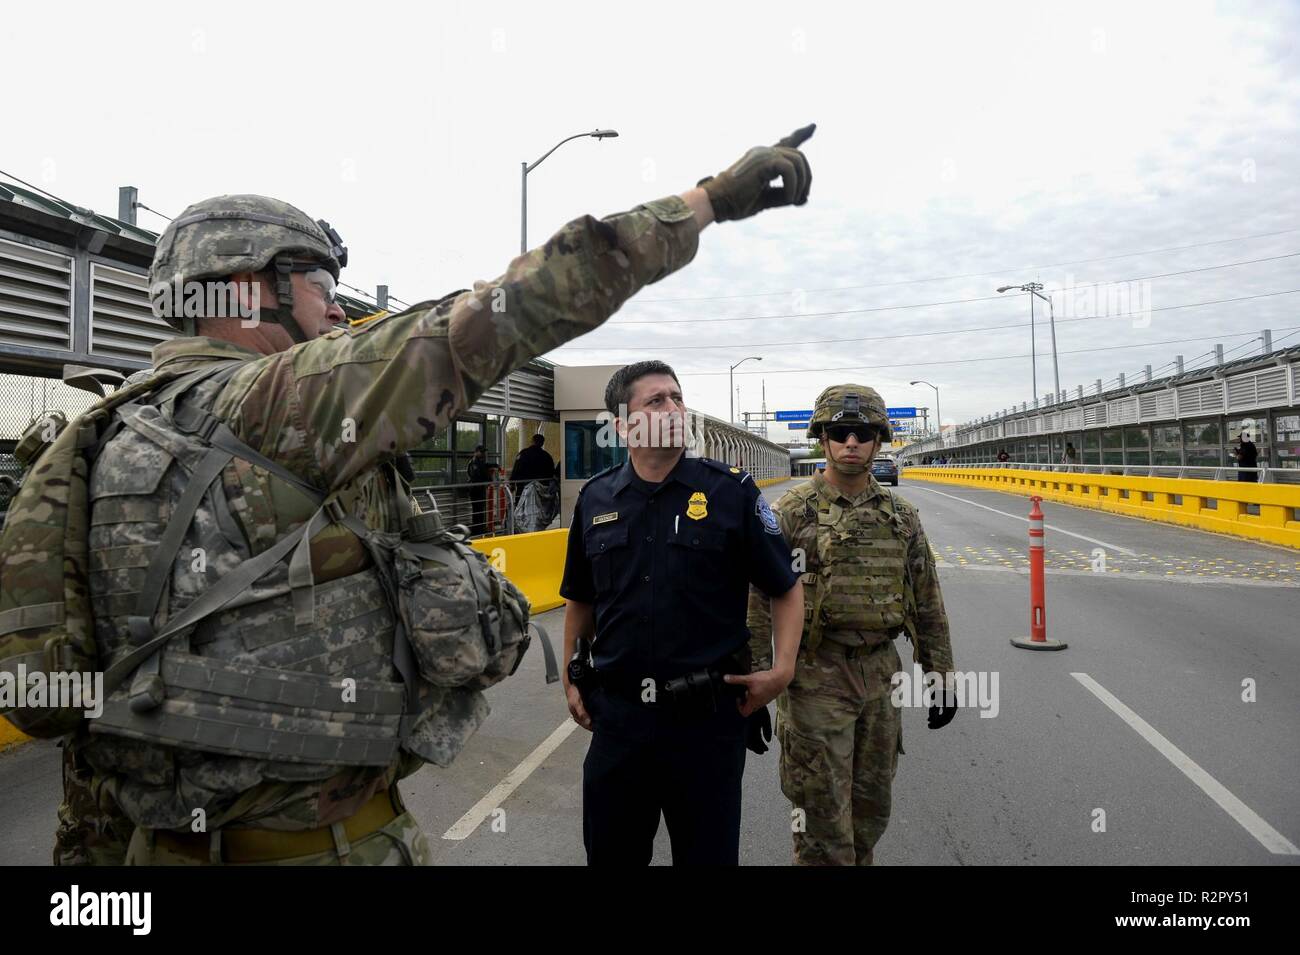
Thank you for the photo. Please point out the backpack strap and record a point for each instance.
(223, 591)
(147, 690)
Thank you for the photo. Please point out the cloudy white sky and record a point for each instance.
(959, 147)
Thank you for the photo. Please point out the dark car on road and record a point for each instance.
(884, 469)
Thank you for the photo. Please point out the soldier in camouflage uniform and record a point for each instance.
(312, 409)
(868, 574)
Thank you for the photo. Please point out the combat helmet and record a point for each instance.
(849, 404)
(218, 237)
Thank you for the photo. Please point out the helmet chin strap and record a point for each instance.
(840, 467)
(282, 314)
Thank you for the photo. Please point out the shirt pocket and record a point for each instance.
(697, 556)
(608, 553)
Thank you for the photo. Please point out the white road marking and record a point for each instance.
(1269, 838)
(467, 823)
(1050, 527)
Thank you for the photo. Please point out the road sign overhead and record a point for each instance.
(797, 425)
(793, 415)
(901, 412)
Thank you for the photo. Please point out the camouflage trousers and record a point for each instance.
(840, 737)
(400, 842)
(92, 829)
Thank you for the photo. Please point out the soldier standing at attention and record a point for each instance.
(868, 574)
(222, 742)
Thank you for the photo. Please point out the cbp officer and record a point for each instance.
(662, 551)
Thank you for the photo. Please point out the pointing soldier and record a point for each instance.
(304, 411)
(868, 574)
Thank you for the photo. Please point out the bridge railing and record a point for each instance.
(1264, 511)
(1207, 473)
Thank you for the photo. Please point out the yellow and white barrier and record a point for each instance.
(1219, 506)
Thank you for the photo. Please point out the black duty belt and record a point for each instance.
(700, 690)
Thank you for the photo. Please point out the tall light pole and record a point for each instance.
(525, 169)
(731, 378)
(1035, 289)
(938, 421)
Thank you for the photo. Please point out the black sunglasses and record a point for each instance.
(865, 433)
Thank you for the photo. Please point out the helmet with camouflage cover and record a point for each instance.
(219, 237)
(849, 404)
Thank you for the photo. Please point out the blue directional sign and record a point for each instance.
(792, 415)
(901, 412)
(798, 425)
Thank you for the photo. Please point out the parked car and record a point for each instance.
(885, 469)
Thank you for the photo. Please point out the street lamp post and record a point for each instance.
(938, 421)
(731, 378)
(525, 169)
(1035, 289)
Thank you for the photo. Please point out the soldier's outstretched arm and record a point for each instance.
(358, 394)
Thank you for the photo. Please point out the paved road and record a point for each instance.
(1167, 630)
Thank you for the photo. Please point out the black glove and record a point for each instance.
(758, 731)
(743, 189)
(941, 716)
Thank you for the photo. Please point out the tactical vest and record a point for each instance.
(859, 570)
(218, 648)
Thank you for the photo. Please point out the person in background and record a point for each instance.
(1247, 455)
(1069, 455)
(1003, 457)
(480, 476)
(532, 464)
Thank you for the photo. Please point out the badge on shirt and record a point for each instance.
(764, 512)
(605, 518)
(697, 508)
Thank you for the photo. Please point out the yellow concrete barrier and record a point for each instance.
(533, 562)
(768, 482)
(10, 736)
(1219, 506)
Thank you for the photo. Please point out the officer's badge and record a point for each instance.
(764, 512)
(697, 508)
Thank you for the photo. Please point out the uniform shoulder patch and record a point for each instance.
(739, 474)
(764, 512)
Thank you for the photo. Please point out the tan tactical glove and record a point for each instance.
(744, 189)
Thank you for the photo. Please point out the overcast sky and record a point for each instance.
(952, 139)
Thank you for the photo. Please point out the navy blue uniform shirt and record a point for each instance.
(668, 566)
